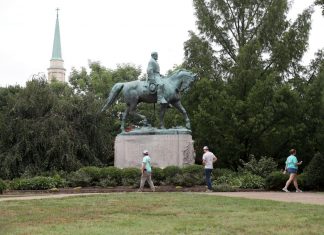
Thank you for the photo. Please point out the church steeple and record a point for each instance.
(56, 69)
(57, 54)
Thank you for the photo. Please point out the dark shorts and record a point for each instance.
(292, 170)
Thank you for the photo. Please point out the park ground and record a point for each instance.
(305, 197)
(163, 213)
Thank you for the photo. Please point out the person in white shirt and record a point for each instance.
(208, 159)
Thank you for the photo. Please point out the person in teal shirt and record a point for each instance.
(146, 172)
(292, 168)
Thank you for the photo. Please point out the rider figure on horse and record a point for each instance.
(154, 78)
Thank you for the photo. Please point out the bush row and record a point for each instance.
(112, 176)
(223, 179)
(109, 177)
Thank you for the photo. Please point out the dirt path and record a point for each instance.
(306, 198)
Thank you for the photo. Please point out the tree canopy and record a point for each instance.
(254, 93)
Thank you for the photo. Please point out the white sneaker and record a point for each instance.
(298, 191)
(285, 190)
(209, 191)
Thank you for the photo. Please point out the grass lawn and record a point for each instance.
(158, 213)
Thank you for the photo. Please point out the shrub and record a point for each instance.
(93, 172)
(170, 173)
(231, 180)
(35, 183)
(195, 174)
(108, 182)
(224, 172)
(263, 167)
(59, 181)
(314, 173)
(301, 179)
(110, 174)
(223, 188)
(3, 186)
(276, 180)
(131, 176)
(158, 176)
(185, 180)
(194, 169)
(79, 179)
(250, 181)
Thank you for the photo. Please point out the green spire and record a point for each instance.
(56, 54)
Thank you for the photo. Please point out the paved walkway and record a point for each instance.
(307, 198)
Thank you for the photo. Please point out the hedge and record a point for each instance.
(3, 186)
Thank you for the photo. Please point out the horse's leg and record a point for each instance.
(125, 114)
(182, 110)
(163, 108)
(132, 111)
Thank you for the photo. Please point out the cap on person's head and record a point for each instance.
(205, 148)
(154, 53)
(145, 152)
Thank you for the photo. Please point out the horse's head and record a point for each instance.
(187, 78)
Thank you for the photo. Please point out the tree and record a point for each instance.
(249, 50)
(320, 3)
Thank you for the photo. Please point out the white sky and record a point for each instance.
(110, 31)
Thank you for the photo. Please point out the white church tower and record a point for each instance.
(56, 69)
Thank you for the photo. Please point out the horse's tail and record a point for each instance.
(113, 95)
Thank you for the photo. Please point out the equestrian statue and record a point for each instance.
(156, 89)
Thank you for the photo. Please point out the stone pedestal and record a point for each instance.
(172, 147)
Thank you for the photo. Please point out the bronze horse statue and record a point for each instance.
(138, 91)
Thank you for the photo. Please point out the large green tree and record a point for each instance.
(247, 50)
(51, 127)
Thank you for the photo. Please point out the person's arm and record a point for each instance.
(285, 170)
(298, 163)
(143, 167)
(214, 159)
(203, 160)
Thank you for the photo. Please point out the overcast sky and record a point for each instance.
(110, 31)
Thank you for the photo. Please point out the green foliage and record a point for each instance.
(79, 179)
(131, 176)
(158, 176)
(250, 181)
(36, 183)
(93, 172)
(3, 186)
(320, 3)
(185, 180)
(171, 171)
(262, 167)
(223, 187)
(172, 175)
(254, 95)
(187, 176)
(110, 176)
(218, 172)
(276, 180)
(314, 173)
(230, 180)
(52, 127)
(245, 180)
